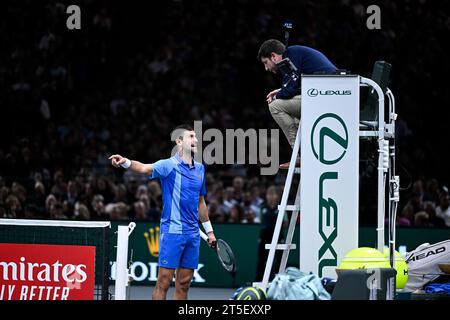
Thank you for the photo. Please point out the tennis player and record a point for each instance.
(183, 185)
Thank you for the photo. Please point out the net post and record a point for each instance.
(123, 232)
(106, 275)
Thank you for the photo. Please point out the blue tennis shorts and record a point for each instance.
(179, 250)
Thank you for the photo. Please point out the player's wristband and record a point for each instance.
(126, 164)
(207, 226)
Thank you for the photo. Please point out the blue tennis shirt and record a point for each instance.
(182, 185)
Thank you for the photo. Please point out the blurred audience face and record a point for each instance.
(140, 210)
(238, 184)
(101, 184)
(13, 203)
(49, 202)
(99, 207)
(235, 214)
(4, 192)
(418, 187)
(154, 189)
(145, 200)
(141, 190)
(255, 192)
(119, 211)
(229, 193)
(421, 219)
(58, 177)
(38, 176)
(407, 212)
(39, 189)
(247, 198)
(213, 207)
(88, 189)
(250, 216)
(445, 201)
(56, 211)
(72, 187)
(272, 197)
(81, 211)
(19, 191)
(430, 208)
(131, 185)
(115, 213)
(121, 192)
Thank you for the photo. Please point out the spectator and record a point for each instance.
(119, 211)
(19, 191)
(39, 197)
(81, 212)
(228, 200)
(72, 192)
(120, 193)
(432, 192)
(238, 188)
(405, 216)
(434, 220)
(214, 212)
(256, 200)
(98, 207)
(249, 216)
(56, 211)
(443, 210)
(59, 189)
(140, 210)
(236, 214)
(421, 219)
(155, 195)
(49, 202)
(13, 208)
(416, 202)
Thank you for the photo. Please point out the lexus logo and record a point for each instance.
(312, 92)
(329, 138)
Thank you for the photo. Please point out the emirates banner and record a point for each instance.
(46, 272)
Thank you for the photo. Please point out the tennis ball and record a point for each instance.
(364, 258)
(400, 266)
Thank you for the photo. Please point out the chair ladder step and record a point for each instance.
(292, 207)
(282, 246)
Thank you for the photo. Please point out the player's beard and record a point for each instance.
(190, 150)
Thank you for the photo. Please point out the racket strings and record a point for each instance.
(225, 254)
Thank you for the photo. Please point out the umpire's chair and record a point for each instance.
(381, 75)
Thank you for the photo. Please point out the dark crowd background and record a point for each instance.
(71, 98)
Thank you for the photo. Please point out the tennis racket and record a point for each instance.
(224, 253)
